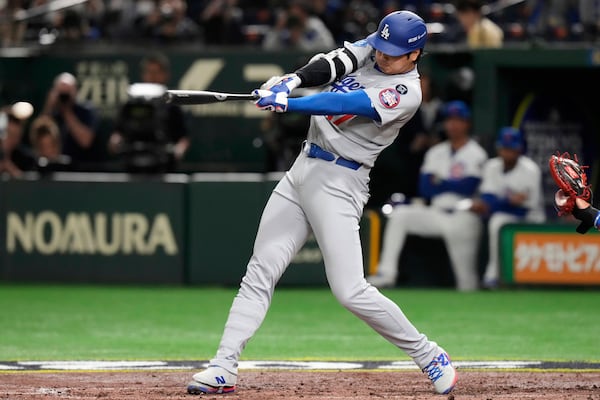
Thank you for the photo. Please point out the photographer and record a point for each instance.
(149, 122)
(76, 121)
(44, 137)
(298, 28)
(168, 23)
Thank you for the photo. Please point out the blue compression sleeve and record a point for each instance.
(503, 205)
(465, 186)
(356, 102)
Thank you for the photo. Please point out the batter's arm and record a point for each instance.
(356, 102)
(326, 68)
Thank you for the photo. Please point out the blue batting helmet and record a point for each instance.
(510, 138)
(399, 32)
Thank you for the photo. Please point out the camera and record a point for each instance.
(64, 98)
(142, 123)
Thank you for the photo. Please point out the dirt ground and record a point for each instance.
(291, 385)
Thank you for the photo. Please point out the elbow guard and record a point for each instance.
(323, 69)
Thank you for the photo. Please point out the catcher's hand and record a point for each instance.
(571, 180)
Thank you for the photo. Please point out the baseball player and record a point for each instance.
(450, 176)
(370, 89)
(510, 191)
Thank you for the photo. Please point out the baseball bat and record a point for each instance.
(183, 97)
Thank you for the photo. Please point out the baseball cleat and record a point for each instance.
(213, 380)
(441, 373)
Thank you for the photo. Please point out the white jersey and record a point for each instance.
(444, 163)
(524, 178)
(395, 97)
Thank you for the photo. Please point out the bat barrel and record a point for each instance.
(184, 97)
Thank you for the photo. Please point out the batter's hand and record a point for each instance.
(282, 84)
(271, 101)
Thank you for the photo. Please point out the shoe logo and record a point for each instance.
(220, 380)
(433, 370)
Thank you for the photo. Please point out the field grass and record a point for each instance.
(47, 322)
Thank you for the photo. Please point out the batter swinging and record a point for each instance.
(371, 89)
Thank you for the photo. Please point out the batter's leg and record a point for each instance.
(462, 232)
(415, 219)
(335, 224)
(283, 230)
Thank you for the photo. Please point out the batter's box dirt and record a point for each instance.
(305, 385)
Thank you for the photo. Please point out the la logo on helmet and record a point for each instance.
(385, 32)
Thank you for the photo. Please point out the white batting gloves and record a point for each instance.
(282, 84)
(271, 101)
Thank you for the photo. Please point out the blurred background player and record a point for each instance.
(481, 31)
(450, 174)
(511, 191)
(298, 28)
(76, 120)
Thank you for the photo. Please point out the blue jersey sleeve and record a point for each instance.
(464, 186)
(498, 204)
(356, 102)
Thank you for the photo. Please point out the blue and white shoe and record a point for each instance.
(213, 380)
(441, 373)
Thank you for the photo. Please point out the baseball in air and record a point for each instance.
(22, 110)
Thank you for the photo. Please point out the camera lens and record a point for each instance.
(64, 97)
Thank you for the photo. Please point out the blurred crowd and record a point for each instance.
(147, 136)
(275, 24)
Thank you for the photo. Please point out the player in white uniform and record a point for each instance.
(511, 191)
(371, 89)
(450, 175)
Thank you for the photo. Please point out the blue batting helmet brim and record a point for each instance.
(386, 47)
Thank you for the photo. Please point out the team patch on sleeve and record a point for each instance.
(402, 89)
(389, 98)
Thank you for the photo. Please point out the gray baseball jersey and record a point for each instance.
(395, 97)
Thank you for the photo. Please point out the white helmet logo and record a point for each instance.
(385, 32)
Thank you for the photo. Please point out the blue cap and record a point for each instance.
(510, 138)
(399, 33)
(457, 108)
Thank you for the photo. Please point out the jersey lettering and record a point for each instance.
(345, 85)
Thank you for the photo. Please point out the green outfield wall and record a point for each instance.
(119, 228)
(94, 228)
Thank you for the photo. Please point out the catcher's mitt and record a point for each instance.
(571, 179)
